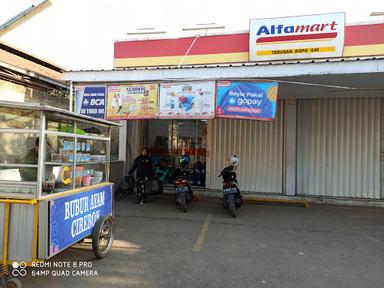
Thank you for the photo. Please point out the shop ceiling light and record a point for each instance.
(146, 31)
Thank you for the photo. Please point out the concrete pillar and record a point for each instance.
(123, 143)
(290, 148)
(382, 147)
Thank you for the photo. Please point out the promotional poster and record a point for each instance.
(90, 101)
(246, 100)
(187, 100)
(132, 102)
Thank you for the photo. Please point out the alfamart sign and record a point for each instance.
(301, 37)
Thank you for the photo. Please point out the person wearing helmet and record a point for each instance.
(228, 172)
(184, 160)
(229, 175)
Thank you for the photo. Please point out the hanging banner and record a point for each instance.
(246, 100)
(137, 101)
(300, 37)
(187, 100)
(90, 101)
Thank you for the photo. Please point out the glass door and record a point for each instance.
(168, 140)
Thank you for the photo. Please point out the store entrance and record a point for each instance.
(168, 140)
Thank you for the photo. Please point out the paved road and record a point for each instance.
(266, 246)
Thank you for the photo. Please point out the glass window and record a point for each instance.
(97, 149)
(59, 149)
(21, 189)
(59, 123)
(90, 174)
(57, 178)
(19, 118)
(168, 140)
(18, 148)
(115, 143)
(58, 160)
(92, 129)
(59, 172)
(17, 174)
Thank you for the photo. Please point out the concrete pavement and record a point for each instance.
(266, 246)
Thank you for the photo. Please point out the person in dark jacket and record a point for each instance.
(143, 167)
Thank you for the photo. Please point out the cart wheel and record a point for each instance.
(102, 236)
(13, 283)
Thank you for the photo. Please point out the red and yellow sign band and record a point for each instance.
(176, 60)
(296, 51)
(360, 40)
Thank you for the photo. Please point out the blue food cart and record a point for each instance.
(54, 184)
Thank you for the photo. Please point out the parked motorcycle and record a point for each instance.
(184, 194)
(232, 199)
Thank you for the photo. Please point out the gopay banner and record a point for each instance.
(90, 101)
(132, 101)
(187, 100)
(246, 100)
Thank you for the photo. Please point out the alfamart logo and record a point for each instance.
(313, 36)
(281, 28)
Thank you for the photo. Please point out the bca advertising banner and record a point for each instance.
(187, 100)
(312, 36)
(137, 101)
(246, 100)
(90, 101)
(73, 217)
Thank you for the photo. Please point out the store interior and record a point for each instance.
(168, 140)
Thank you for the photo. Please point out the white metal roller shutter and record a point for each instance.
(259, 144)
(339, 147)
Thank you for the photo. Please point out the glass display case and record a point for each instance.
(46, 151)
(54, 182)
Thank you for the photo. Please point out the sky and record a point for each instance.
(79, 34)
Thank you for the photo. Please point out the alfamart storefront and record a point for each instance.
(298, 99)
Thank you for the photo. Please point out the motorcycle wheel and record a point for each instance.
(183, 202)
(13, 283)
(232, 205)
(102, 236)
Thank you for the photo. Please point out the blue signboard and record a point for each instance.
(73, 217)
(90, 101)
(246, 100)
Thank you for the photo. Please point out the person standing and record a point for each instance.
(143, 167)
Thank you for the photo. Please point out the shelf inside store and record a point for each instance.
(59, 163)
(77, 163)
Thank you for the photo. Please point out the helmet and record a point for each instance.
(184, 160)
(234, 161)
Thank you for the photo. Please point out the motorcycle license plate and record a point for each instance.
(182, 189)
(231, 190)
